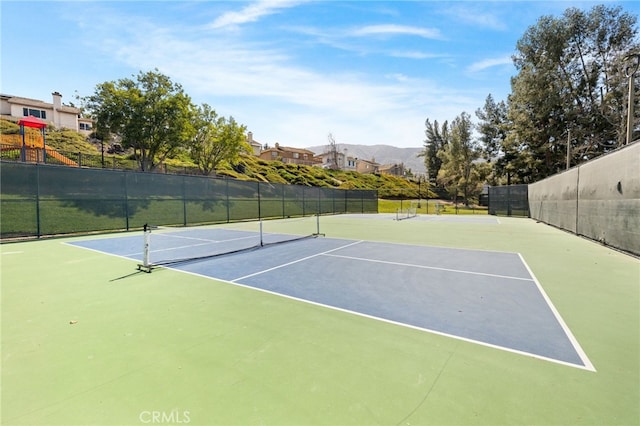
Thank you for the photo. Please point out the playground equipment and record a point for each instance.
(32, 144)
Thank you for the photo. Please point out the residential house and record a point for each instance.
(393, 169)
(290, 155)
(338, 161)
(256, 147)
(14, 108)
(366, 166)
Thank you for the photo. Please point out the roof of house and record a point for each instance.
(390, 166)
(370, 162)
(290, 149)
(38, 103)
(28, 101)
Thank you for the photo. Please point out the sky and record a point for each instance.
(291, 71)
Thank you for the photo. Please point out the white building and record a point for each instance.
(256, 146)
(14, 108)
(338, 160)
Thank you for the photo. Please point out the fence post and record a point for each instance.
(126, 201)
(38, 230)
(333, 200)
(259, 203)
(346, 197)
(227, 202)
(284, 212)
(184, 201)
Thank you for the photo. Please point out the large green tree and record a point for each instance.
(460, 172)
(569, 89)
(150, 114)
(494, 129)
(217, 139)
(437, 138)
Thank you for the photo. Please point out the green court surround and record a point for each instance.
(79, 348)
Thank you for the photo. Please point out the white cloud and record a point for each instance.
(344, 39)
(392, 29)
(470, 13)
(414, 54)
(490, 63)
(252, 12)
(278, 99)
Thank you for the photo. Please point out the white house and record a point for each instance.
(256, 146)
(338, 160)
(61, 116)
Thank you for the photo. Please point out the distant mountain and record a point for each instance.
(382, 154)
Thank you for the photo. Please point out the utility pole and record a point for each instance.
(630, 72)
(569, 150)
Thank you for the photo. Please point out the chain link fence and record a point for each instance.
(39, 200)
(510, 200)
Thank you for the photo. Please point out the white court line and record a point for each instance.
(459, 271)
(581, 353)
(183, 237)
(587, 363)
(121, 256)
(205, 239)
(208, 242)
(295, 261)
(401, 324)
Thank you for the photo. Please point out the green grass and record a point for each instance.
(428, 207)
(179, 343)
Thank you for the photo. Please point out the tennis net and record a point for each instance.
(165, 247)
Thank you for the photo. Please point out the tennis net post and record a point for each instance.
(146, 265)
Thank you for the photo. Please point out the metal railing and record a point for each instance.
(11, 152)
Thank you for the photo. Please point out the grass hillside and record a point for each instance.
(59, 139)
(253, 169)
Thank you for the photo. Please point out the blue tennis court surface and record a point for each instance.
(489, 298)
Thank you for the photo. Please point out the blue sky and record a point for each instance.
(368, 72)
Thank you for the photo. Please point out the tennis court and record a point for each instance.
(432, 320)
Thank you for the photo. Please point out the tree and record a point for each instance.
(459, 171)
(494, 128)
(217, 139)
(150, 114)
(570, 78)
(436, 141)
(332, 153)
